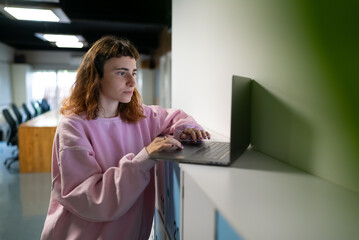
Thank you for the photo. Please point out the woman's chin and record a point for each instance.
(125, 100)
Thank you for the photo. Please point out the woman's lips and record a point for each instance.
(129, 92)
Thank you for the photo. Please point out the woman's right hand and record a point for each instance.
(163, 143)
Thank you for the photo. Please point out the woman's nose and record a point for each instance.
(131, 80)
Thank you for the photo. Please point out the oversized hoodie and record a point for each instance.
(102, 177)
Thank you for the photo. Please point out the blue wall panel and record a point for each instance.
(224, 230)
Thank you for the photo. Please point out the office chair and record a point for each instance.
(11, 137)
(17, 113)
(27, 112)
(36, 107)
(44, 105)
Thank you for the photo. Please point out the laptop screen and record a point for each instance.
(240, 115)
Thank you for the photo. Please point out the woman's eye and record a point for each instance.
(134, 74)
(121, 73)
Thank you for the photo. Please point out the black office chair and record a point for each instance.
(27, 112)
(11, 137)
(17, 113)
(36, 107)
(44, 105)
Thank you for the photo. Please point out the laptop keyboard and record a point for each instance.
(213, 150)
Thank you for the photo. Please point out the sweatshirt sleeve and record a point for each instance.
(171, 121)
(83, 188)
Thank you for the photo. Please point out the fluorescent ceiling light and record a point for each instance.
(60, 38)
(63, 41)
(69, 44)
(39, 13)
(32, 14)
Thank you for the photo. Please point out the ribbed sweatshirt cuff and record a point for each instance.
(143, 160)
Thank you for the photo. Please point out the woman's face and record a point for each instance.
(119, 79)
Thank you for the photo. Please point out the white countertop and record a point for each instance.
(264, 198)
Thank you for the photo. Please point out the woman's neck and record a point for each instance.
(104, 113)
(108, 109)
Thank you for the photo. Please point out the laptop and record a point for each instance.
(220, 153)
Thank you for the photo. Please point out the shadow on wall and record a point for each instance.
(279, 132)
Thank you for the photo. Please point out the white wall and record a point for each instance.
(5, 90)
(148, 86)
(53, 59)
(212, 40)
(303, 57)
(6, 53)
(6, 57)
(21, 83)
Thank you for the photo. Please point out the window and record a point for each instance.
(54, 85)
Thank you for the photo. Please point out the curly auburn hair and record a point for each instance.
(85, 92)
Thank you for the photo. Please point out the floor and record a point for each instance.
(24, 200)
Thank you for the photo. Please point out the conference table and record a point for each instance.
(35, 139)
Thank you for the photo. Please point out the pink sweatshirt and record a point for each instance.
(102, 177)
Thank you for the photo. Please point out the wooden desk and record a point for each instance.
(35, 139)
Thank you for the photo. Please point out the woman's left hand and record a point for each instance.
(194, 134)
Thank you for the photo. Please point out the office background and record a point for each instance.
(302, 56)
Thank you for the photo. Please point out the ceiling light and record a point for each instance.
(60, 38)
(47, 14)
(69, 44)
(32, 14)
(63, 41)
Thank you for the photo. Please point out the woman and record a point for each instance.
(102, 177)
